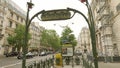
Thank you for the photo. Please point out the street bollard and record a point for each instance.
(41, 64)
(38, 65)
(30, 66)
(34, 64)
(46, 63)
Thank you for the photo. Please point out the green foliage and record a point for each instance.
(67, 36)
(11, 40)
(17, 39)
(49, 38)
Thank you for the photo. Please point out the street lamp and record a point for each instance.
(91, 25)
(25, 46)
(27, 24)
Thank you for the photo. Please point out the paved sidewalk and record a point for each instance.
(69, 66)
(76, 66)
(109, 65)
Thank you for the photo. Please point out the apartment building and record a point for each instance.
(2, 14)
(107, 21)
(85, 41)
(35, 31)
(10, 16)
(78, 46)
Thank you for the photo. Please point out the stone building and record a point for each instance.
(35, 31)
(84, 41)
(10, 16)
(107, 21)
(2, 14)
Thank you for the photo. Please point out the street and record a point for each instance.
(13, 62)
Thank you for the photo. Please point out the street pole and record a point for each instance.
(25, 46)
(91, 26)
(93, 34)
(27, 24)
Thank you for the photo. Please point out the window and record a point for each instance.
(21, 20)
(1, 23)
(115, 49)
(16, 25)
(10, 25)
(17, 17)
(11, 14)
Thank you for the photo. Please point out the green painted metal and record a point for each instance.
(61, 14)
(65, 14)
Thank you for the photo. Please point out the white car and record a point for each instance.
(42, 54)
(28, 55)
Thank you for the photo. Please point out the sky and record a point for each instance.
(76, 23)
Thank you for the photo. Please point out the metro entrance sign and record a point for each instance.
(61, 14)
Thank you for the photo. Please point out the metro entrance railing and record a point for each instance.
(51, 62)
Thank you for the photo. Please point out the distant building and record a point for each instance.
(35, 31)
(84, 41)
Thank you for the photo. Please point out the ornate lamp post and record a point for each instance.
(91, 25)
(27, 24)
(25, 46)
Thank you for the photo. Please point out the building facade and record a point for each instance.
(11, 15)
(2, 14)
(35, 31)
(107, 20)
(84, 41)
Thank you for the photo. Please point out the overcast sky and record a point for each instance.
(39, 5)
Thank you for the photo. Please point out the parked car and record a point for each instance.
(42, 54)
(35, 53)
(11, 54)
(28, 55)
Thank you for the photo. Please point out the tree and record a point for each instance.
(20, 35)
(17, 39)
(54, 39)
(49, 38)
(11, 40)
(68, 37)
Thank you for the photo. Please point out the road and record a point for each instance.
(13, 62)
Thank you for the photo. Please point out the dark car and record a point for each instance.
(28, 55)
(11, 54)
